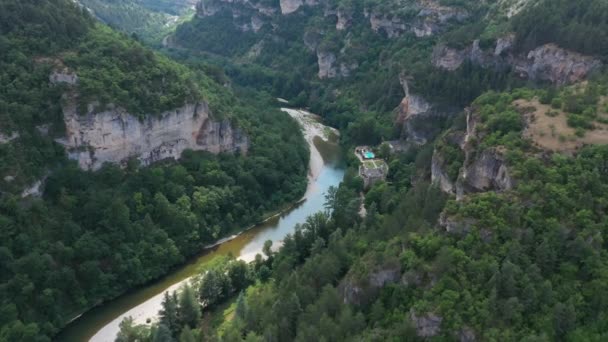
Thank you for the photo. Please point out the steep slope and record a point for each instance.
(495, 230)
(450, 52)
(72, 238)
(148, 19)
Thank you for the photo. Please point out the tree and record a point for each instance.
(564, 319)
(186, 335)
(264, 273)
(238, 273)
(267, 248)
(162, 334)
(169, 313)
(211, 290)
(189, 308)
(241, 307)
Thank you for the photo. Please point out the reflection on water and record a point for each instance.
(101, 324)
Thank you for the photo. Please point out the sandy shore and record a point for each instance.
(311, 128)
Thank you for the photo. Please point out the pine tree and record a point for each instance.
(189, 308)
(162, 334)
(169, 314)
(241, 307)
(186, 335)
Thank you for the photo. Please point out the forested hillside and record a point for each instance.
(490, 226)
(493, 229)
(148, 20)
(90, 236)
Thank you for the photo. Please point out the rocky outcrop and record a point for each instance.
(432, 18)
(440, 176)
(115, 136)
(344, 20)
(504, 45)
(481, 171)
(454, 225)
(447, 58)
(391, 26)
(359, 292)
(207, 8)
(63, 75)
(329, 68)
(6, 138)
(545, 63)
(556, 65)
(419, 118)
(290, 6)
(467, 334)
(426, 325)
(34, 190)
(326, 62)
(484, 172)
(247, 15)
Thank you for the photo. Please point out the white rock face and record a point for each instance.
(504, 44)
(8, 138)
(63, 76)
(393, 27)
(290, 6)
(559, 66)
(35, 190)
(439, 175)
(344, 20)
(447, 58)
(326, 61)
(115, 135)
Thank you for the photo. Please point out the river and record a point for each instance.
(101, 324)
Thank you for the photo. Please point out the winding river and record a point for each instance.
(102, 323)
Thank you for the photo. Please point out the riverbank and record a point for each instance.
(102, 323)
(311, 128)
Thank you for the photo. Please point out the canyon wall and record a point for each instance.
(115, 136)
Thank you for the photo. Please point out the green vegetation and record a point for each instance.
(526, 264)
(579, 26)
(150, 20)
(530, 266)
(95, 235)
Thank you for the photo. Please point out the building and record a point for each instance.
(373, 171)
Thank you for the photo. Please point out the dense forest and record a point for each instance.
(521, 256)
(530, 264)
(524, 264)
(94, 235)
(148, 20)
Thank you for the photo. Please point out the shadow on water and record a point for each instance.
(101, 323)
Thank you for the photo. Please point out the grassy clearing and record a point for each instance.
(548, 128)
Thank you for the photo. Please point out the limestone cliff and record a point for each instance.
(420, 120)
(290, 6)
(556, 65)
(329, 67)
(485, 171)
(482, 170)
(326, 62)
(115, 136)
(548, 62)
(431, 18)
